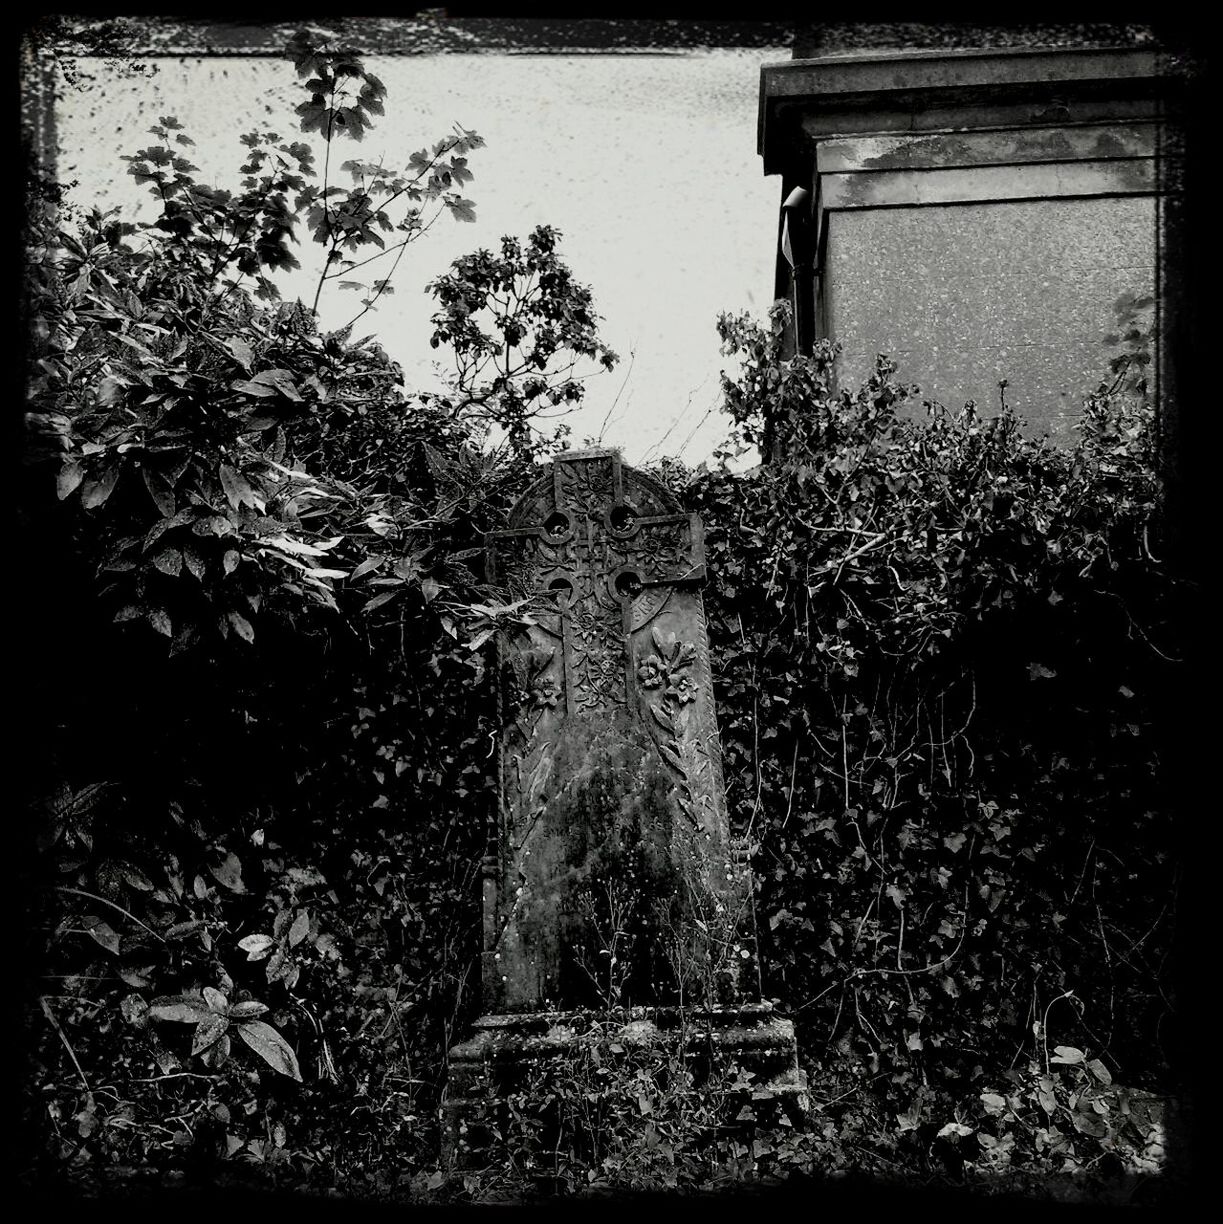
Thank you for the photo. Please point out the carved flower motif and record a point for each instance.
(587, 626)
(546, 691)
(651, 671)
(681, 688)
(668, 670)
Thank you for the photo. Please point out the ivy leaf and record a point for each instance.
(271, 1047)
(994, 1104)
(229, 873)
(955, 1130)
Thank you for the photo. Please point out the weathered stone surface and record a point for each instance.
(944, 150)
(963, 296)
(612, 879)
(963, 185)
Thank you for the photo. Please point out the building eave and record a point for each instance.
(848, 93)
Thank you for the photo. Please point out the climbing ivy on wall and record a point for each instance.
(943, 652)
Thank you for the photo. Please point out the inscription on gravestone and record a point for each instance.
(611, 879)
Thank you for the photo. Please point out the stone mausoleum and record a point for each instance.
(975, 214)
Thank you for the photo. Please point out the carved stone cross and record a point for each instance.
(610, 880)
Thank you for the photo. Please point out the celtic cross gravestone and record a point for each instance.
(612, 888)
(613, 819)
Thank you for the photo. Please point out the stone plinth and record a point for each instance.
(495, 1061)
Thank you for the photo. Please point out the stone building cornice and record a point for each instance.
(803, 101)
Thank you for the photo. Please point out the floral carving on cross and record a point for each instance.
(669, 669)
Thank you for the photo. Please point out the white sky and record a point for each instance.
(646, 162)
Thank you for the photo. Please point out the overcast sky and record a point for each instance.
(645, 161)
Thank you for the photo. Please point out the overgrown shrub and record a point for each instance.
(261, 773)
(943, 649)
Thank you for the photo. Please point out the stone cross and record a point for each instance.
(610, 878)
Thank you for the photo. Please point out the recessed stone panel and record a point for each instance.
(964, 295)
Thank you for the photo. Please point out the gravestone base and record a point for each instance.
(505, 1048)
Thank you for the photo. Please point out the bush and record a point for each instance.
(943, 649)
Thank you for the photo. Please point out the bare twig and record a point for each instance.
(856, 1088)
(632, 357)
(790, 799)
(153, 1079)
(1044, 1026)
(46, 1007)
(80, 892)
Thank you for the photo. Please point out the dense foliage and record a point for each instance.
(945, 651)
(264, 717)
(260, 770)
